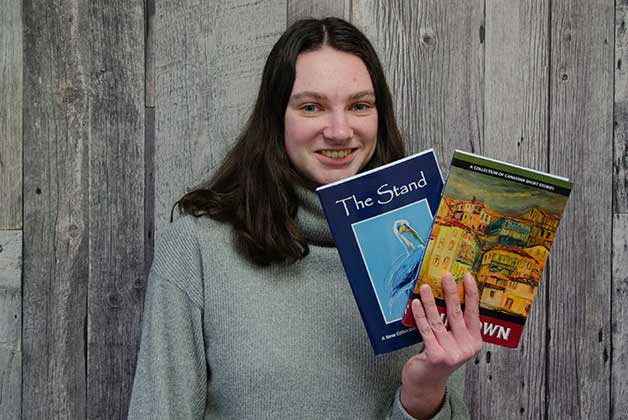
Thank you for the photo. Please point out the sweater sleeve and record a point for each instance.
(453, 407)
(171, 374)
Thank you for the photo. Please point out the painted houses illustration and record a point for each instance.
(506, 252)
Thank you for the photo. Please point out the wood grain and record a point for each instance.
(209, 60)
(579, 298)
(619, 291)
(116, 204)
(302, 9)
(620, 110)
(56, 224)
(149, 53)
(11, 84)
(619, 315)
(515, 126)
(432, 53)
(10, 324)
(11, 114)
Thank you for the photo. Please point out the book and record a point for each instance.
(380, 220)
(497, 221)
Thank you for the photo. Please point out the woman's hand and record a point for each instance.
(425, 375)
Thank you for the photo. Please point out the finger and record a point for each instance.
(429, 340)
(471, 304)
(455, 317)
(432, 314)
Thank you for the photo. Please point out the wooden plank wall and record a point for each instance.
(10, 209)
(127, 105)
(84, 270)
(619, 262)
(10, 324)
(115, 200)
(581, 106)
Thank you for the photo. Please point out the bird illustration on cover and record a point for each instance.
(404, 269)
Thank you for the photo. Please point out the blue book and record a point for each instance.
(381, 221)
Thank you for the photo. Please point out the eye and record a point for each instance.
(361, 107)
(310, 108)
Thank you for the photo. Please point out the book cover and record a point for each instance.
(497, 221)
(380, 220)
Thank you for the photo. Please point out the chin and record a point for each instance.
(330, 179)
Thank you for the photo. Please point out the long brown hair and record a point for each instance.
(253, 189)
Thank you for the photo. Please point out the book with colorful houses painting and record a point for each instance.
(497, 221)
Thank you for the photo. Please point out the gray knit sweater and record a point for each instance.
(225, 339)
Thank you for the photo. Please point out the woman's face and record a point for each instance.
(331, 118)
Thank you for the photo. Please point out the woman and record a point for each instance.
(248, 313)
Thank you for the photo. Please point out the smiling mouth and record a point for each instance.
(336, 154)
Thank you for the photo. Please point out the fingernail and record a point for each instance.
(415, 304)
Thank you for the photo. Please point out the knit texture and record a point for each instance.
(225, 339)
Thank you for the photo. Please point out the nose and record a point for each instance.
(338, 128)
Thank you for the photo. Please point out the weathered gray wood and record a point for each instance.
(150, 54)
(515, 128)
(116, 203)
(149, 188)
(209, 62)
(11, 209)
(619, 292)
(302, 9)
(56, 129)
(10, 324)
(579, 303)
(432, 53)
(619, 327)
(620, 164)
(10, 114)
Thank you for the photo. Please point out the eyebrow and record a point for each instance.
(320, 97)
(307, 94)
(362, 94)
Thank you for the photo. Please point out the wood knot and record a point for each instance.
(74, 231)
(71, 94)
(428, 38)
(563, 74)
(113, 300)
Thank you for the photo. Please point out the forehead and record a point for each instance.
(331, 71)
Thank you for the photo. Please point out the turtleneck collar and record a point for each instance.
(311, 218)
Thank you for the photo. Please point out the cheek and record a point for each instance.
(292, 131)
(294, 140)
(299, 136)
(371, 132)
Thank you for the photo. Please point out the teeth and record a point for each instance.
(336, 154)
